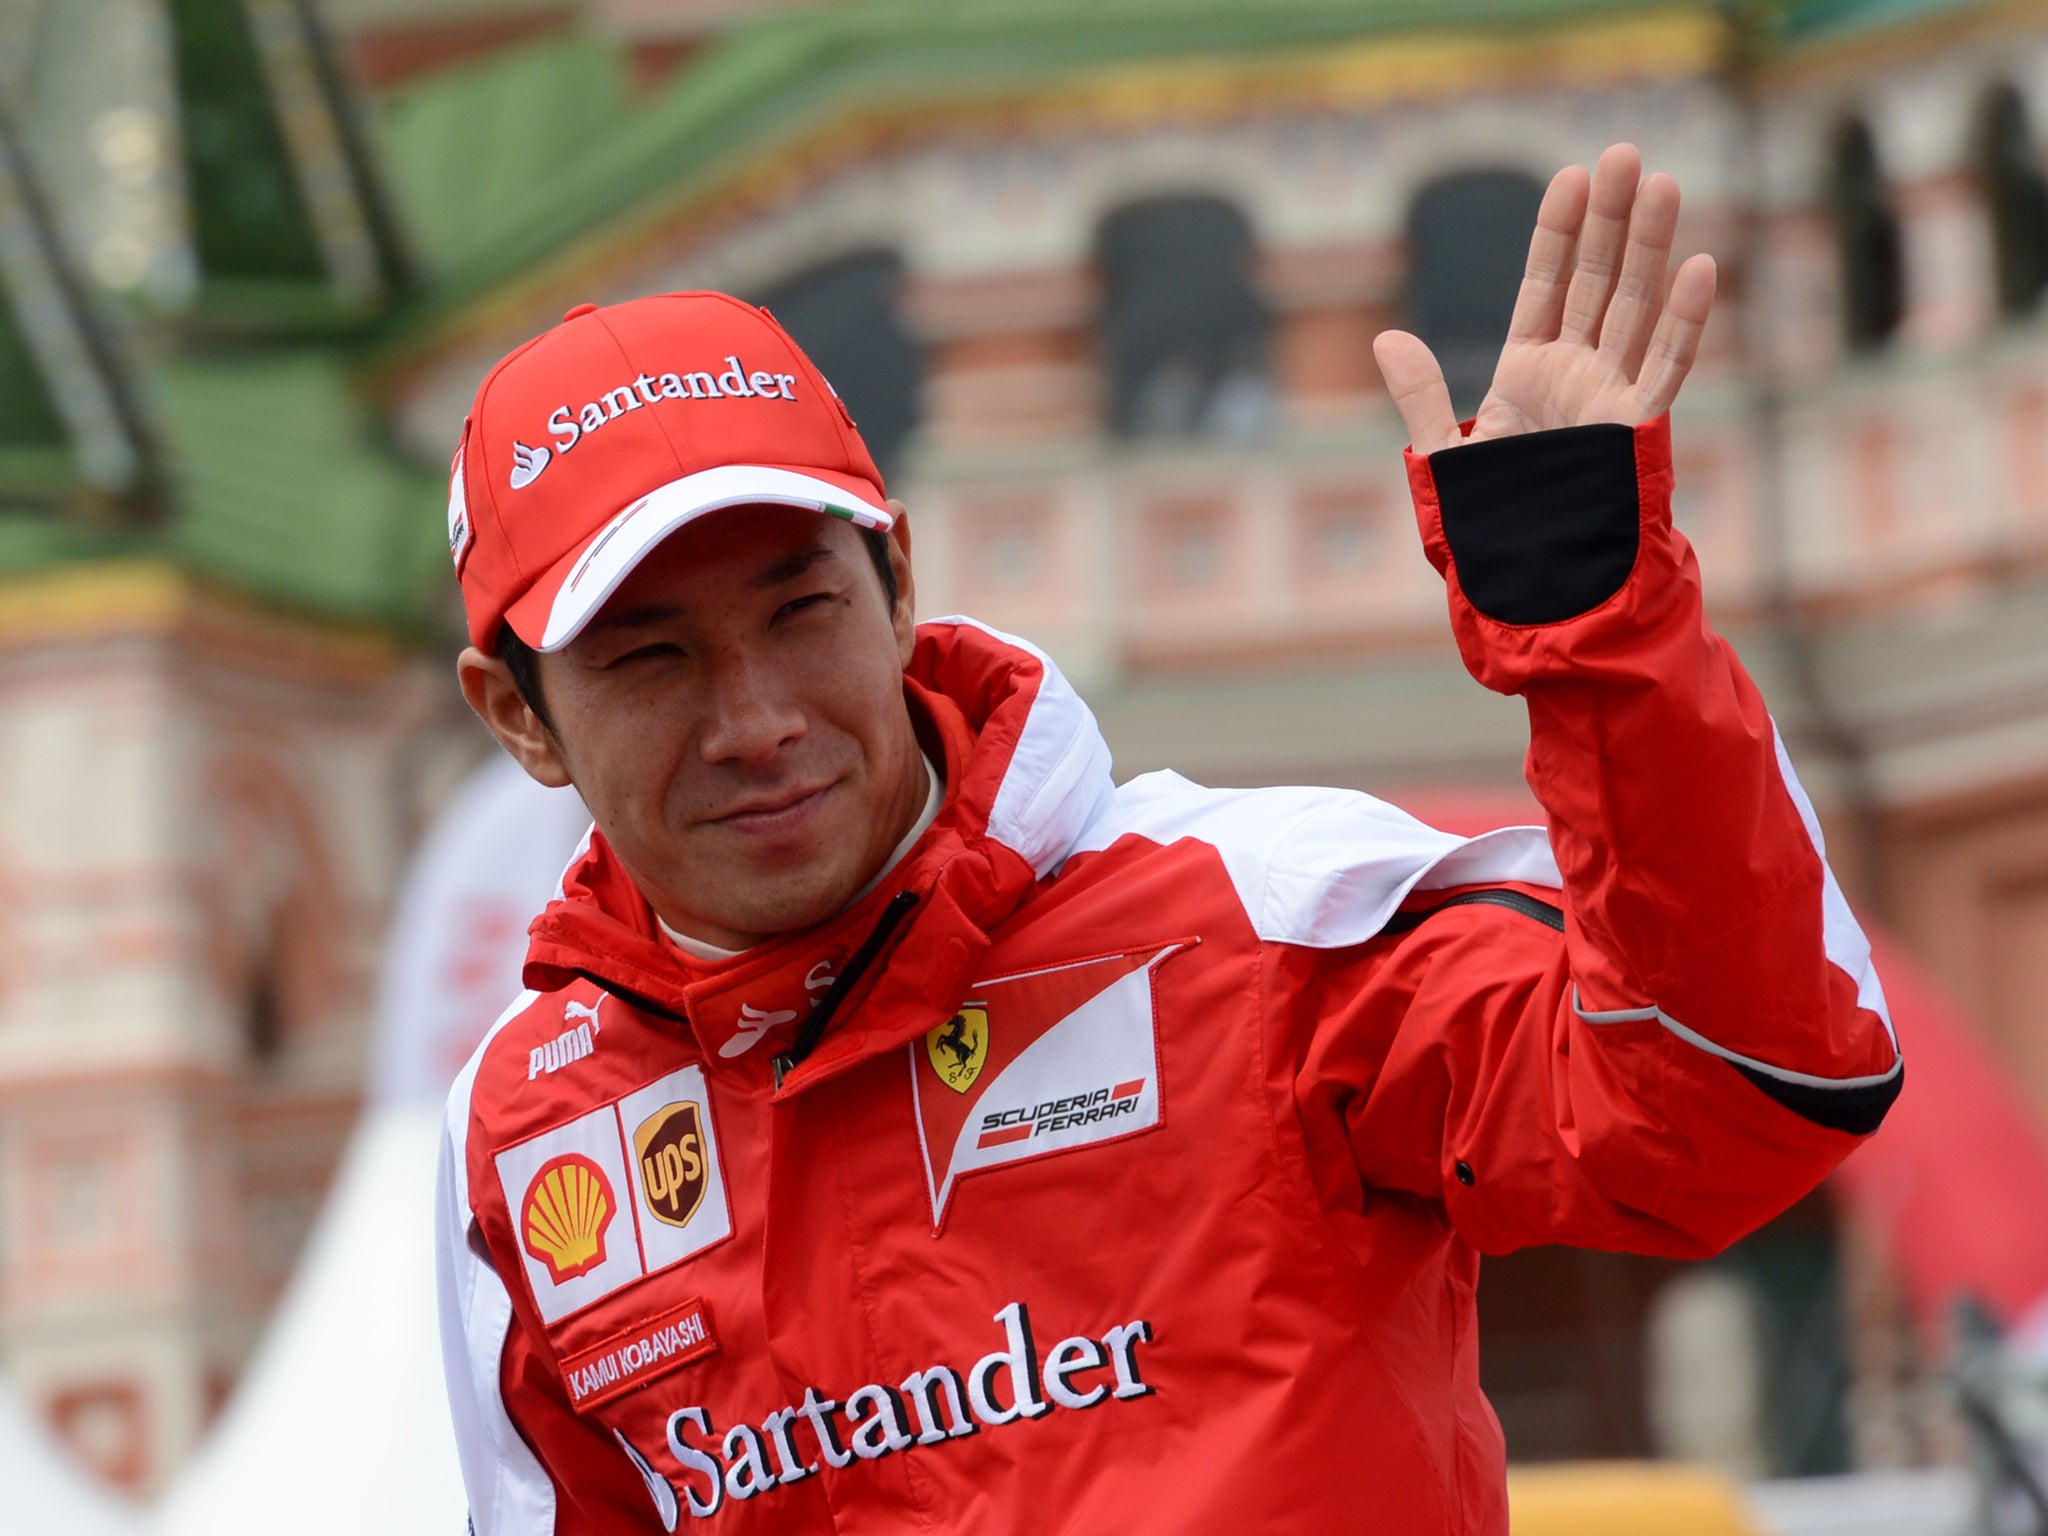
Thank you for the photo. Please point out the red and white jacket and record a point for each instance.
(1133, 1171)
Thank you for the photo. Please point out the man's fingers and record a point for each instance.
(1601, 242)
(1677, 339)
(1539, 306)
(1420, 394)
(1639, 293)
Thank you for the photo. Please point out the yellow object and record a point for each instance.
(567, 1207)
(1625, 1498)
(958, 1047)
(670, 1146)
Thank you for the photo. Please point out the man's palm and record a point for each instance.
(1595, 337)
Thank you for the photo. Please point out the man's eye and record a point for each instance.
(646, 652)
(799, 604)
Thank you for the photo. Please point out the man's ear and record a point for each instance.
(487, 685)
(905, 616)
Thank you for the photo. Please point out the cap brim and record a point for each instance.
(554, 610)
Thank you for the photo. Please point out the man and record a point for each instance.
(908, 1128)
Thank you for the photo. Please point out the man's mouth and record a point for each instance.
(771, 814)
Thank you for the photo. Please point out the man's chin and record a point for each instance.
(781, 906)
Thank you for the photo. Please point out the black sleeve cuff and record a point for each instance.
(1859, 1110)
(1542, 526)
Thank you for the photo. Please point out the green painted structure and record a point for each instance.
(261, 461)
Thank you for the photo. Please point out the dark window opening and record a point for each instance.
(1576, 1359)
(1795, 1265)
(1867, 239)
(1468, 244)
(845, 316)
(28, 417)
(249, 218)
(263, 1012)
(1185, 336)
(2017, 193)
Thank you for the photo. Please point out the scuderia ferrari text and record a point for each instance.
(926, 1408)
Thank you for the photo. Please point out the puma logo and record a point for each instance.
(572, 1044)
(753, 1024)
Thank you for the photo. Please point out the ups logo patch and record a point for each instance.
(669, 1148)
(958, 1047)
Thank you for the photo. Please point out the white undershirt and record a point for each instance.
(935, 796)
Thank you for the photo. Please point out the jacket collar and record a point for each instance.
(1026, 771)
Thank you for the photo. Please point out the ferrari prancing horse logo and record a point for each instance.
(959, 1046)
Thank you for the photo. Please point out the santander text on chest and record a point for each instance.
(929, 1407)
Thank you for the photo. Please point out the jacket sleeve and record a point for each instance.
(1690, 1034)
(530, 1465)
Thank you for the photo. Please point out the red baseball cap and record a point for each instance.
(599, 438)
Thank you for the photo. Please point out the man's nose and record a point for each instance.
(753, 715)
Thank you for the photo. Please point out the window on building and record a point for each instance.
(106, 1425)
(1468, 243)
(1184, 335)
(263, 1020)
(1867, 240)
(249, 216)
(2017, 194)
(845, 316)
(1590, 1355)
(28, 417)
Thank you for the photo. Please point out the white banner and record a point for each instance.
(458, 933)
(340, 1425)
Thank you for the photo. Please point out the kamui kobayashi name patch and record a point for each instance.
(638, 1354)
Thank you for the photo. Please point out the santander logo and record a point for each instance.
(569, 425)
(527, 463)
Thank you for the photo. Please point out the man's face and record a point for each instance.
(734, 719)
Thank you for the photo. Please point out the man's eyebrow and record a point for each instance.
(634, 618)
(788, 568)
(792, 565)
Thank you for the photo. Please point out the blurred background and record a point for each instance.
(1098, 279)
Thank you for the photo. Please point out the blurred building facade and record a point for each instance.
(213, 698)
(1100, 284)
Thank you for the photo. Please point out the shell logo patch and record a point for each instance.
(670, 1147)
(573, 1192)
(958, 1048)
(563, 1219)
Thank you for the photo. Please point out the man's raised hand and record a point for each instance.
(1595, 337)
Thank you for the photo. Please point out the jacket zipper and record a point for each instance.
(807, 1037)
(1528, 906)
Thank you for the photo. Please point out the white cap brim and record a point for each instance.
(597, 571)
